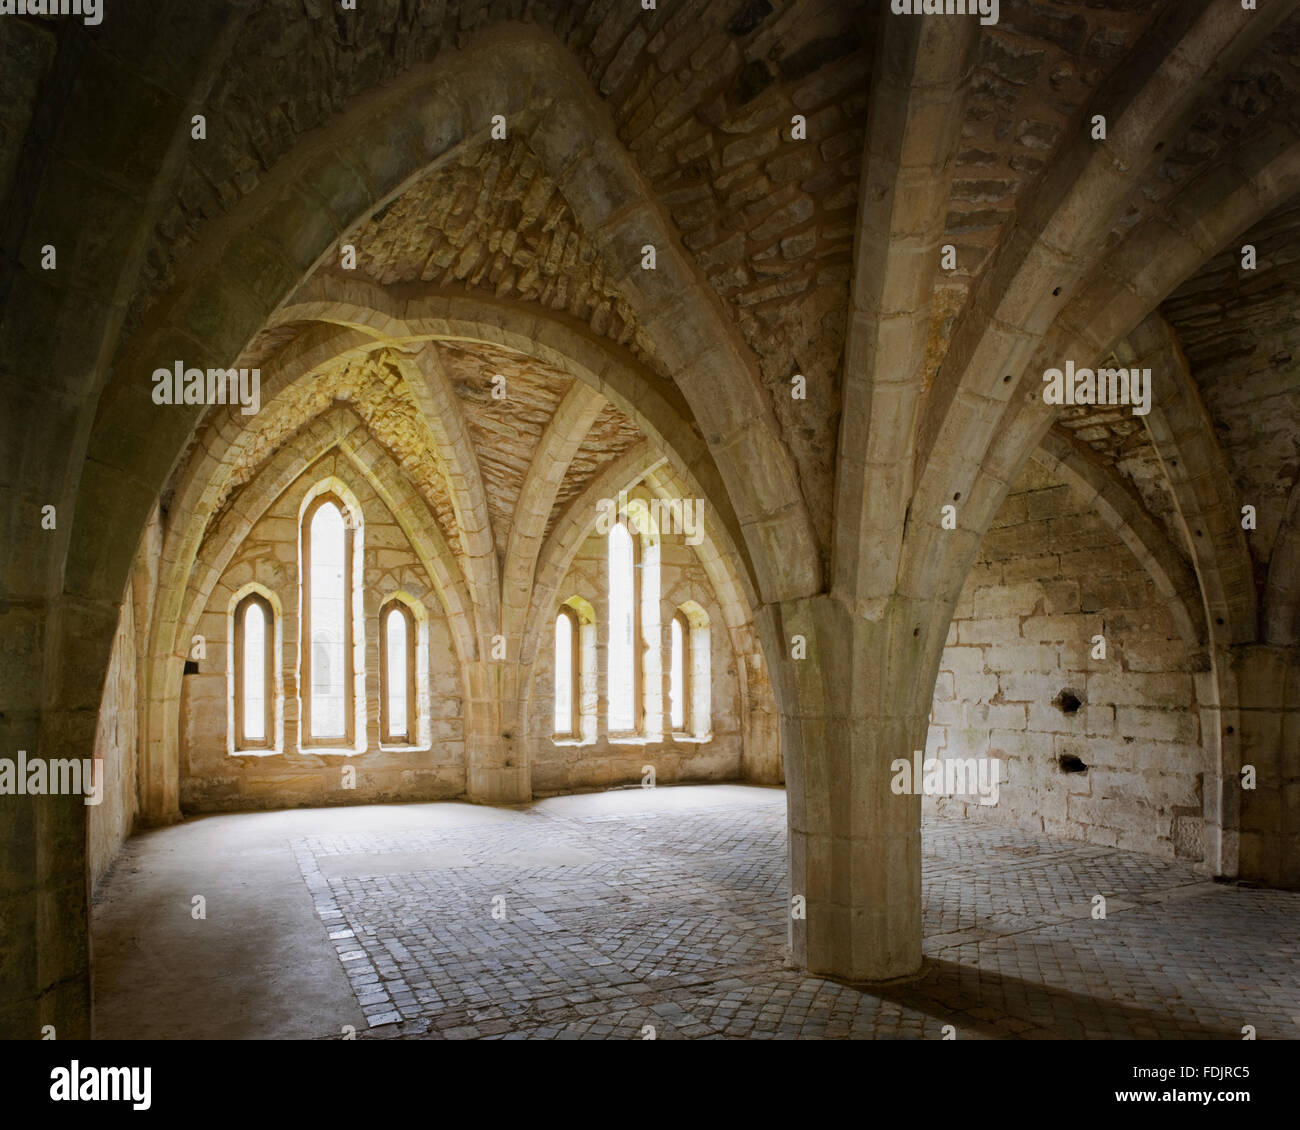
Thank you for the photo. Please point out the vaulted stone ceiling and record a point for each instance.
(702, 94)
(1120, 442)
(1240, 332)
(611, 435)
(769, 220)
(376, 391)
(505, 432)
(324, 124)
(1033, 73)
(494, 220)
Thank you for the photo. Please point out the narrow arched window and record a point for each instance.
(568, 673)
(690, 675)
(253, 654)
(397, 673)
(327, 624)
(680, 674)
(624, 689)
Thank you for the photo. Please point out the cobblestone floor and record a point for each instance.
(571, 921)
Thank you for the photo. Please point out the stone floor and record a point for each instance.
(608, 915)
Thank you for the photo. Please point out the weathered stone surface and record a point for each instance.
(1240, 330)
(1025, 627)
(784, 262)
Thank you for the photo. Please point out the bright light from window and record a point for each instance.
(395, 635)
(622, 682)
(328, 622)
(677, 676)
(254, 664)
(564, 644)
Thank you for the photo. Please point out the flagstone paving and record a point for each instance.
(628, 916)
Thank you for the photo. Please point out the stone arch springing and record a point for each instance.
(1197, 473)
(1167, 568)
(1063, 231)
(1130, 281)
(907, 170)
(441, 410)
(989, 439)
(975, 438)
(560, 442)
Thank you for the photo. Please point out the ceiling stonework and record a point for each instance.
(1240, 332)
(505, 432)
(1052, 62)
(702, 99)
(494, 220)
(376, 391)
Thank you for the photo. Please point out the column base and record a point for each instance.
(506, 784)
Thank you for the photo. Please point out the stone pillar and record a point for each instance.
(1216, 701)
(858, 700)
(22, 831)
(1267, 681)
(496, 766)
(159, 783)
(44, 893)
(760, 724)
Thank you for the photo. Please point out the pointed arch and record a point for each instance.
(402, 318)
(1168, 569)
(921, 70)
(585, 677)
(248, 601)
(331, 640)
(577, 143)
(691, 672)
(403, 671)
(1197, 473)
(1130, 282)
(441, 410)
(339, 429)
(1062, 231)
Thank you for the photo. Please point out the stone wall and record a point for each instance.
(564, 766)
(26, 52)
(214, 780)
(1018, 683)
(118, 728)
(110, 821)
(1269, 722)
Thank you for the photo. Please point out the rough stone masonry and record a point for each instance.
(800, 267)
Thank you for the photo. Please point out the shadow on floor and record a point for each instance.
(1001, 1006)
